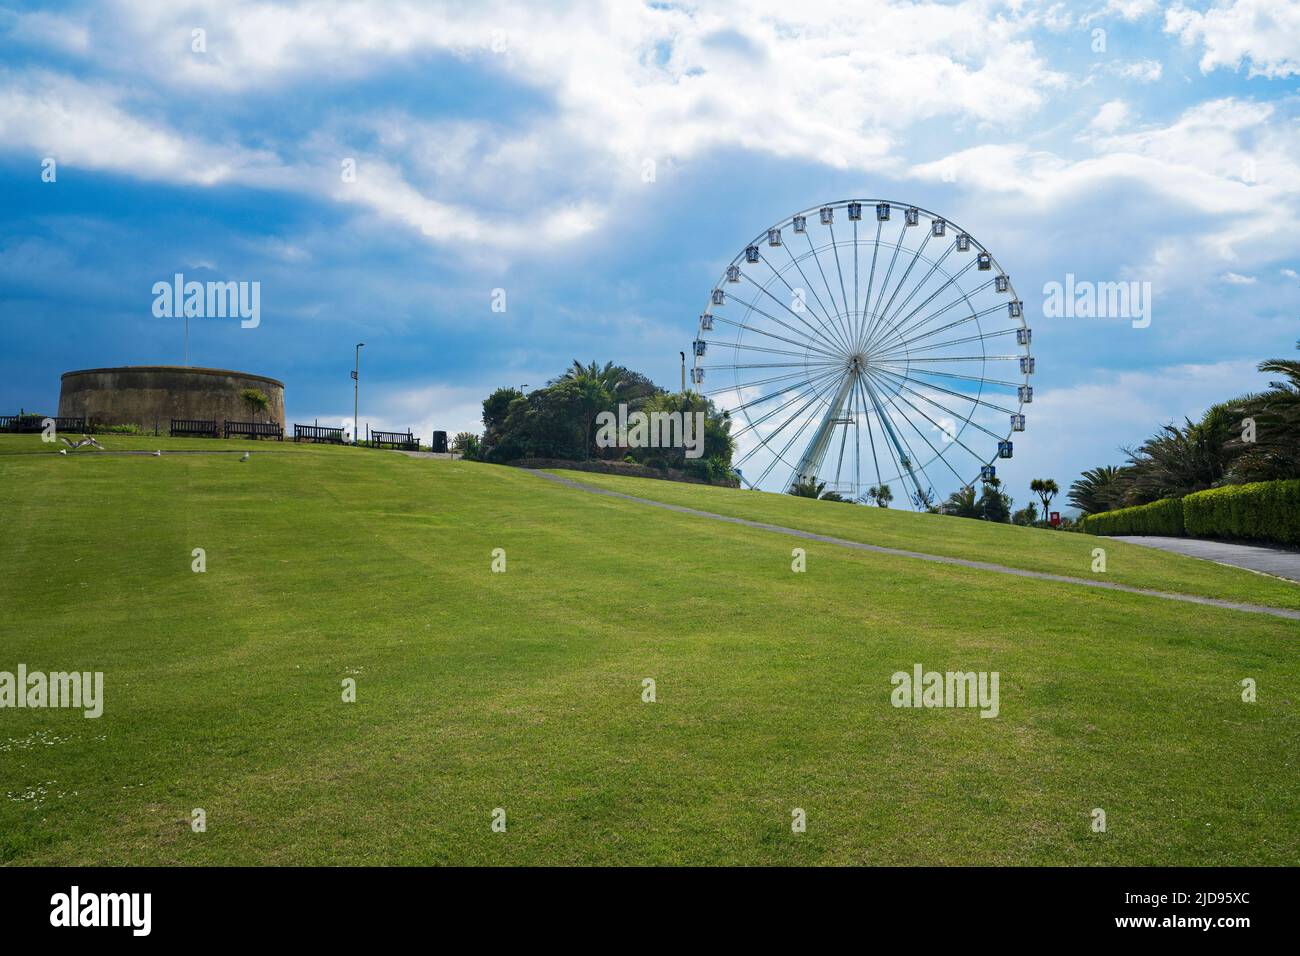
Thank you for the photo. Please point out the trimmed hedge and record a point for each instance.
(1163, 517)
(1262, 511)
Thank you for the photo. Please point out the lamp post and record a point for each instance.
(683, 355)
(356, 391)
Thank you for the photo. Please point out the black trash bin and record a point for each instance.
(440, 442)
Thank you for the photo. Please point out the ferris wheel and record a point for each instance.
(866, 343)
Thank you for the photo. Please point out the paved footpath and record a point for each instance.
(934, 558)
(1253, 557)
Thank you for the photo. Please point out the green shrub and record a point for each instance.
(1160, 518)
(1262, 511)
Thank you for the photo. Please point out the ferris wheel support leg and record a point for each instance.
(815, 453)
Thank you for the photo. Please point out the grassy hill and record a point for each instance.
(1032, 549)
(522, 690)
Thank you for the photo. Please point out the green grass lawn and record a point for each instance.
(1035, 549)
(522, 690)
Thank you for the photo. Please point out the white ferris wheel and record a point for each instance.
(864, 343)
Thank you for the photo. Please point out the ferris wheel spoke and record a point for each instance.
(853, 312)
(857, 437)
(857, 450)
(836, 249)
(893, 260)
(908, 271)
(810, 339)
(771, 335)
(736, 386)
(934, 267)
(968, 419)
(774, 394)
(938, 455)
(781, 455)
(871, 275)
(751, 348)
(772, 436)
(914, 463)
(904, 458)
(948, 391)
(804, 389)
(844, 438)
(973, 317)
(780, 428)
(826, 282)
(898, 330)
(817, 295)
(964, 358)
(912, 353)
(965, 378)
(773, 365)
(965, 297)
(871, 434)
(772, 413)
(825, 335)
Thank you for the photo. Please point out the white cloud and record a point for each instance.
(1265, 33)
(81, 125)
(1057, 18)
(46, 29)
(90, 127)
(625, 84)
(1111, 116)
(382, 189)
(1144, 71)
(1236, 278)
(1227, 160)
(1129, 10)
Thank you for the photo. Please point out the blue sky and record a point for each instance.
(503, 146)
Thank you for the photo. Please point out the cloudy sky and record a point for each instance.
(504, 146)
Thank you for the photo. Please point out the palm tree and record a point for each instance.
(610, 377)
(1046, 489)
(963, 503)
(1275, 451)
(1181, 459)
(994, 503)
(880, 496)
(1098, 489)
(599, 389)
(807, 488)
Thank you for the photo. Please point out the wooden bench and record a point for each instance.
(255, 430)
(403, 440)
(318, 433)
(36, 423)
(193, 428)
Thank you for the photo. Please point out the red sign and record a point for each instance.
(1055, 519)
